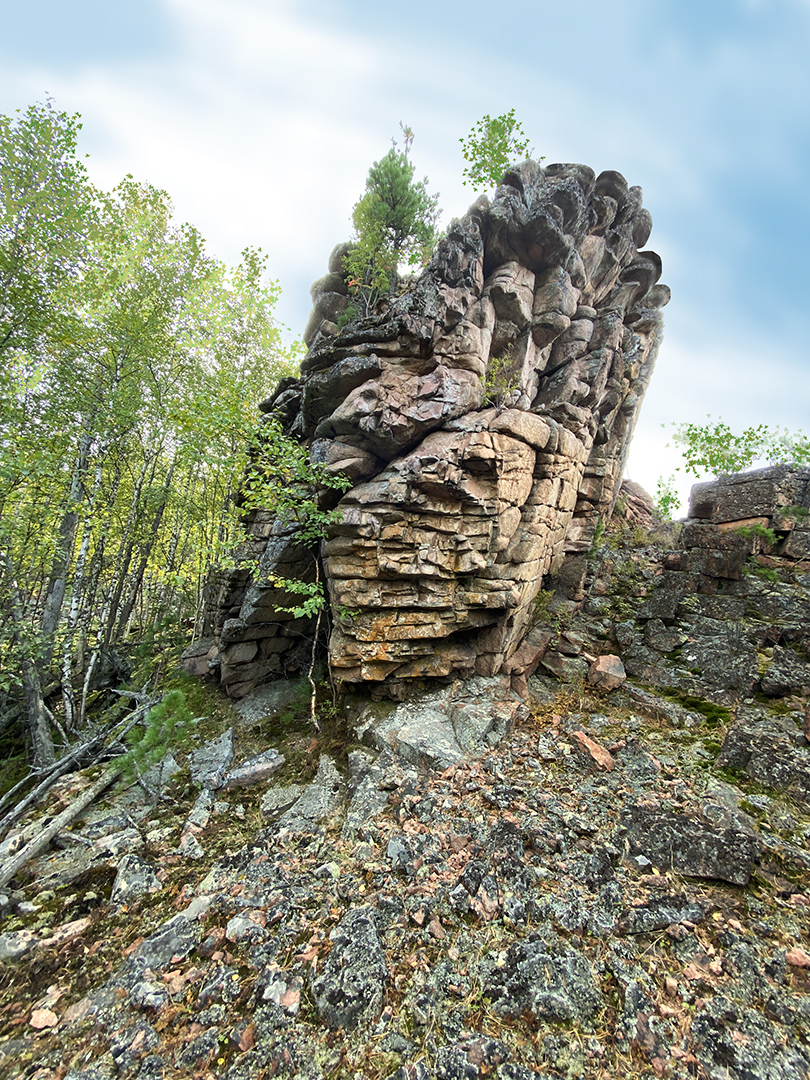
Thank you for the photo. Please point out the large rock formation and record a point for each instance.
(484, 419)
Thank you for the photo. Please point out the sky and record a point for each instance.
(261, 118)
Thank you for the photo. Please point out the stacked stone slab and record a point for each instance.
(777, 498)
(484, 420)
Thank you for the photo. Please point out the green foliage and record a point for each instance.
(503, 378)
(312, 592)
(166, 725)
(283, 480)
(715, 715)
(748, 532)
(347, 316)
(797, 515)
(131, 364)
(667, 499)
(767, 573)
(544, 613)
(394, 223)
(714, 448)
(492, 146)
(47, 212)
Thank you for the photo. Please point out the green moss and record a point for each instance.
(716, 715)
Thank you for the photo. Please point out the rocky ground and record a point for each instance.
(617, 888)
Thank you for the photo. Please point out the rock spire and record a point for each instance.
(484, 419)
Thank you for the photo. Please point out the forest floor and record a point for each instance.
(494, 919)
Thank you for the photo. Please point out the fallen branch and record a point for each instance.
(18, 861)
(64, 764)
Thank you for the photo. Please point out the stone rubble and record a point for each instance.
(522, 912)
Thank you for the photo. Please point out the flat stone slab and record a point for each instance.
(211, 762)
(350, 990)
(135, 877)
(278, 799)
(268, 699)
(726, 851)
(320, 801)
(254, 770)
(443, 727)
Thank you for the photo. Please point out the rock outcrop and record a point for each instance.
(484, 420)
(452, 898)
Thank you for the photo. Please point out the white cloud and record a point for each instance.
(262, 118)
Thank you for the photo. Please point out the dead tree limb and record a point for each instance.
(61, 821)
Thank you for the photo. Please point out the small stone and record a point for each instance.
(148, 995)
(201, 811)
(43, 1018)
(398, 853)
(16, 944)
(287, 995)
(602, 757)
(210, 763)
(327, 871)
(135, 877)
(66, 932)
(254, 770)
(249, 925)
(191, 847)
(607, 672)
(797, 957)
(278, 799)
(436, 930)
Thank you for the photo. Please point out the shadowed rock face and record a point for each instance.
(484, 420)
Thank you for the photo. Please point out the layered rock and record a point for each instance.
(484, 420)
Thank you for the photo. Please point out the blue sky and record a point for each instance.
(261, 117)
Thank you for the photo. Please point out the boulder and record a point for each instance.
(349, 992)
(607, 672)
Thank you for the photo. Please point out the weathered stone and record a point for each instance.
(319, 802)
(201, 810)
(269, 699)
(16, 943)
(557, 984)
(135, 877)
(442, 727)
(175, 938)
(607, 672)
(209, 763)
(688, 845)
(253, 770)
(278, 799)
(349, 992)
(786, 674)
(740, 497)
(566, 668)
(437, 556)
(659, 912)
(772, 751)
(748, 1043)
(199, 658)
